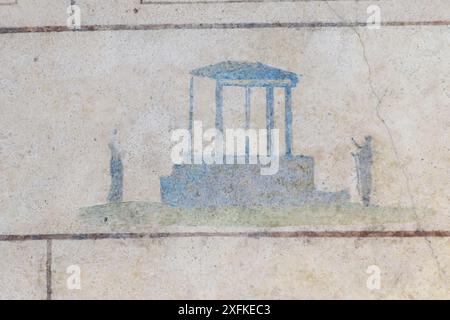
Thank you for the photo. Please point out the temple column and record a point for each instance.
(191, 117)
(247, 121)
(288, 121)
(269, 118)
(219, 107)
(191, 104)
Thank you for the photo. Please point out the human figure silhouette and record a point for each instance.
(364, 161)
(116, 170)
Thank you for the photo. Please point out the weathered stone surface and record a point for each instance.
(63, 92)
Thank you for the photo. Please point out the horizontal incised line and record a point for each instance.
(254, 234)
(202, 26)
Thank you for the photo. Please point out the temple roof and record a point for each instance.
(254, 71)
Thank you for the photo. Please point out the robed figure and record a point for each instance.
(364, 161)
(116, 170)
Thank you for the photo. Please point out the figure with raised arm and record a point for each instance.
(364, 161)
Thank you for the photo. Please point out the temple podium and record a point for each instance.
(203, 185)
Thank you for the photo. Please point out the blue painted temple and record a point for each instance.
(204, 185)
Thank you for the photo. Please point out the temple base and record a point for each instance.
(243, 185)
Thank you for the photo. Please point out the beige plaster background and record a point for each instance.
(61, 94)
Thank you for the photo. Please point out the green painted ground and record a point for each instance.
(146, 213)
